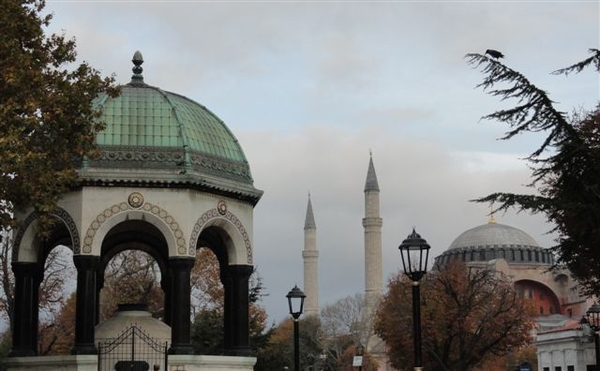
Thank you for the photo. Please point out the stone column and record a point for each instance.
(99, 286)
(180, 269)
(228, 304)
(28, 276)
(240, 304)
(85, 309)
(165, 283)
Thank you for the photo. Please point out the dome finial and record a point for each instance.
(137, 78)
(492, 218)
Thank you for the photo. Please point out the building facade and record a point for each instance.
(563, 344)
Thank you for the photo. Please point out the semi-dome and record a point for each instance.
(496, 241)
(157, 137)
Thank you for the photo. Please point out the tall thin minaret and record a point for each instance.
(372, 223)
(310, 254)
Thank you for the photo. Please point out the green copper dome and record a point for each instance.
(148, 116)
(156, 137)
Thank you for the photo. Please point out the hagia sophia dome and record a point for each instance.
(496, 241)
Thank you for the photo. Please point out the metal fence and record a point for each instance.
(133, 350)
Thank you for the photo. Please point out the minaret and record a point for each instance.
(311, 263)
(372, 223)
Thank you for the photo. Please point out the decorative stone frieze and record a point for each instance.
(121, 207)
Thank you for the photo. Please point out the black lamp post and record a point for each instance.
(415, 251)
(593, 319)
(296, 302)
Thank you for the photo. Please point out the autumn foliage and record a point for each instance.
(467, 317)
(47, 123)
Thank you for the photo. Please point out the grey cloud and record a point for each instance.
(309, 88)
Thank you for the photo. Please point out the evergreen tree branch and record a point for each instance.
(578, 67)
(535, 112)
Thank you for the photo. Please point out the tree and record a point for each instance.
(326, 342)
(565, 167)
(467, 317)
(278, 351)
(58, 337)
(207, 289)
(343, 326)
(207, 332)
(368, 363)
(46, 115)
(131, 277)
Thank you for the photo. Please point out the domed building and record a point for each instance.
(520, 258)
(155, 137)
(562, 343)
(170, 178)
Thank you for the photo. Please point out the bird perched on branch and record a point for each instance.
(494, 53)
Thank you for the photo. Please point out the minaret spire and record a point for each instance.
(310, 254)
(309, 222)
(371, 184)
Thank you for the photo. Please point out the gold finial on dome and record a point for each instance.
(492, 218)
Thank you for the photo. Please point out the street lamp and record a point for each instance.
(296, 302)
(593, 318)
(415, 252)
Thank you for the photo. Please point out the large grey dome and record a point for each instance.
(496, 241)
(493, 235)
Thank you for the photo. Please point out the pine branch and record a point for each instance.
(578, 67)
(535, 111)
(532, 203)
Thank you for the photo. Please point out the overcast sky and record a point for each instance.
(309, 88)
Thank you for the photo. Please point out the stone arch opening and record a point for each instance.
(217, 237)
(57, 290)
(136, 235)
(139, 236)
(142, 237)
(30, 253)
(27, 244)
(225, 225)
